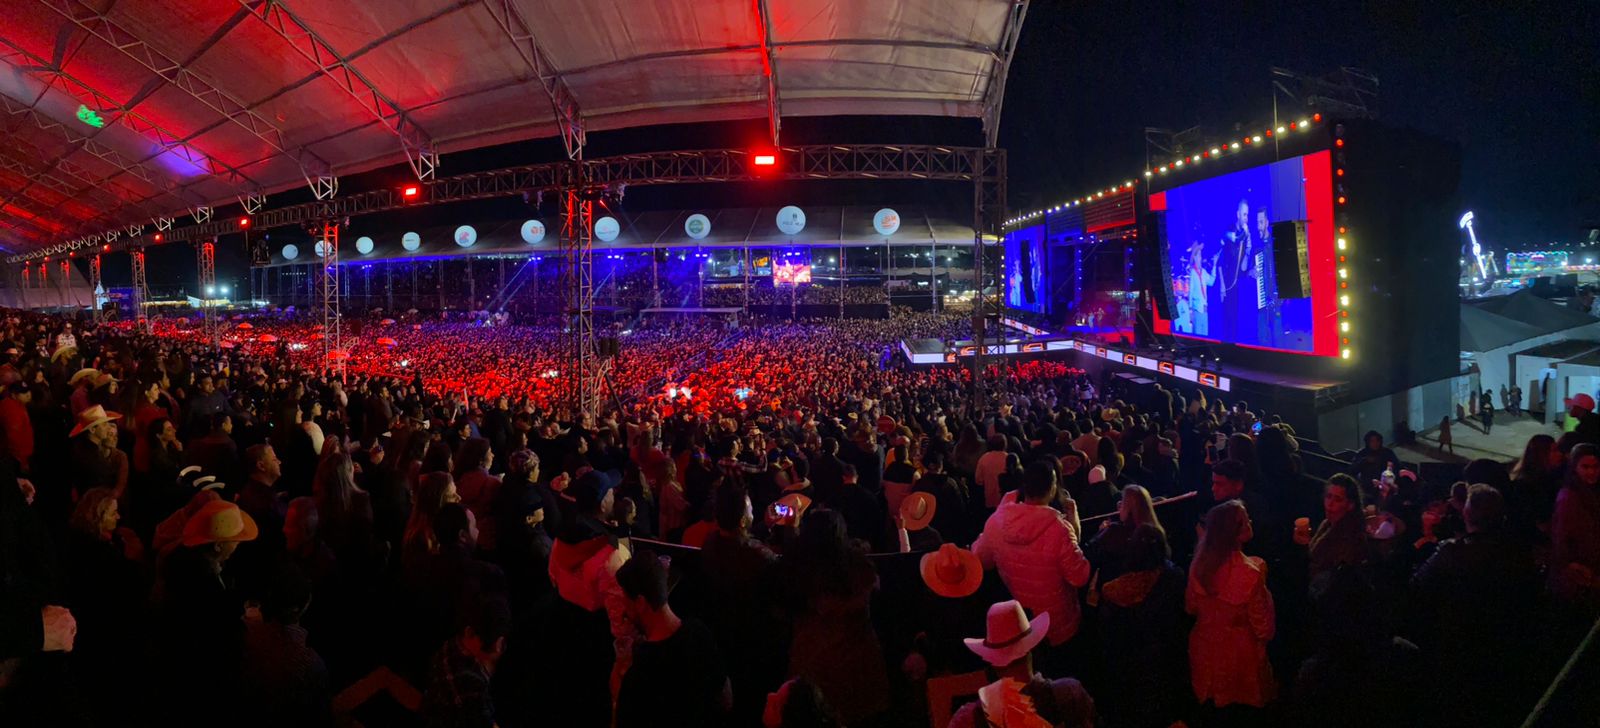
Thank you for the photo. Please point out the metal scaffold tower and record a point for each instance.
(210, 323)
(577, 248)
(94, 289)
(334, 356)
(141, 292)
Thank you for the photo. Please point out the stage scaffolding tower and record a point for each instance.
(94, 290)
(577, 248)
(333, 353)
(141, 292)
(209, 323)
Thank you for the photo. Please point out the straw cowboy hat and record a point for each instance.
(87, 373)
(916, 511)
(63, 352)
(219, 522)
(91, 417)
(1010, 634)
(952, 571)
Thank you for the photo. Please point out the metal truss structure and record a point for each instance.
(419, 149)
(94, 289)
(141, 292)
(207, 265)
(334, 357)
(577, 248)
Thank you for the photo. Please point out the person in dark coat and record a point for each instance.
(1471, 602)
(950, 517)
(1141, 620)
(742, 577)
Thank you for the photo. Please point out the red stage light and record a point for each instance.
(1339, 173)
(1316, 117)
(1338, 142)
(244, 222)
(107, 247)
(410, 191)
(1341, 200)
(766, 160)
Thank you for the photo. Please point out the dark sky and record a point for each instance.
(1516, 84)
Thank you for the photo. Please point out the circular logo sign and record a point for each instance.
(411, 241)
(698, 226)
(607, 228)
(886, 221)
(321, 248)
(364, 245)
(291, 251)
(791, 220)
(466, 236)
(532, 231)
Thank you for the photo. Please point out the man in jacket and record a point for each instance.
(1035, 548)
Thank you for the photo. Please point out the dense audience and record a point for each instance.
(776, 523)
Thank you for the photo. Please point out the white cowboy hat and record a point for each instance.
(91, 417)
(1010, 634)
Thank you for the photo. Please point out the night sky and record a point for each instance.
(1517, 85)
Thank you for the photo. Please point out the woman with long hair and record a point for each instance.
(434, 490)
(1106, 454)
(968, 448)
(345, 510)
(1535, 480)
(1575, 532)
(834, 643)
(438, 458)
(1227, 594)
(1109, 549)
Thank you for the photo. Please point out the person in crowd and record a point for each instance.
(216, 451)
(520, 510)
(106, 591)
(200, 610)
(742, 577)
(1018, 695)
(1355, 653)
(835, 647)
(474, 483)
(989, 468)
(1108, 549)
(1535, 480)
(798, 703)
(862, 511)
(1372, 459)
(96, 461)
(898, 477)
(434, 491)
(591, 611)
(1469, 606)
(284, 681)
(16, 428)
(1139, 611)
(1341, 538)
(345, 509)
(1035, 549)
(1585, 421)
(459, 675)
(950, 495)
(677, 676)
(1574, 570)
(1227, 594)
(1228, 483)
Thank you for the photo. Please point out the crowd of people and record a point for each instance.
(772, 524)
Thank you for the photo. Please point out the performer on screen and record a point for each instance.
(1238, 301)
(1200, 284)
(1262, 267)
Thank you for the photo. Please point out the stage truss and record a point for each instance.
(334, 356)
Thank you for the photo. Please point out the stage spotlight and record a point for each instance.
(410, 192)
(211, 290)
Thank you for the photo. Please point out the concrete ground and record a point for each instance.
(1504, 441)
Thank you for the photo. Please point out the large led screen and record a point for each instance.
(1025, 270)
(1226, 238)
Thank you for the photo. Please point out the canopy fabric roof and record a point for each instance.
(1542, 314)
(1484, 331)
(756, 227)
(118, 113)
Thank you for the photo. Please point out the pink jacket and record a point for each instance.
(1228, 646)
(1038, 557)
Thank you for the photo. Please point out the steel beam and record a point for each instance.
(416, 144)
(769, 69)
(569, 119)
(995, 95)
(179, 76)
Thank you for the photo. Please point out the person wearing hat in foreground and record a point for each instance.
(1585, 421)
(913, 521)
(200, 631)
(96, 462)
(948, 613)
(1019, 697)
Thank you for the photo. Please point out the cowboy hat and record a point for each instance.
(952, 571)
(63, 352)
(81, 374)
(1010, 635)
(1097, 474)
(916, 511)
(219, 522)
(91, 417)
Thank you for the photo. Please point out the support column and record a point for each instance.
(209, 324)
(141, 292)
(333, 353)
(586, 379)
(94, 286)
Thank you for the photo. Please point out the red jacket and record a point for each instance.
(18, 441)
